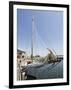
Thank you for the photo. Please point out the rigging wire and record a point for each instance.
(42, 42)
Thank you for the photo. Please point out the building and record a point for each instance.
(22, 61)
(23, 58)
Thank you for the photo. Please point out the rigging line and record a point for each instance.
(40, 37)
(45, 44)
(54, 51)
(48, 44)
(35, 36)
(37, 32)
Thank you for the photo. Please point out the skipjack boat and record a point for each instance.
(50, 67)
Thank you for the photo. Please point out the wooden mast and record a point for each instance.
(32, 41)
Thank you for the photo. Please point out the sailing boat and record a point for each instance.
(43, 70)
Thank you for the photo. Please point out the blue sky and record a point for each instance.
(48, 32)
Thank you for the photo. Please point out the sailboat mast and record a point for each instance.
(32, 41)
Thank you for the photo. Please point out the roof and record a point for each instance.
(20, 51)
